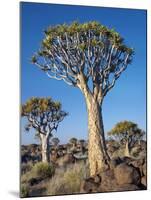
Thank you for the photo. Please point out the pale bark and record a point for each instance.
(45, 150)
(127, 151)
(97, 152)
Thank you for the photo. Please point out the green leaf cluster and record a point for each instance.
(125, 127)
(39, 105)
(72, 29)
(73, 140)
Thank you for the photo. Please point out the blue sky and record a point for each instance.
(126, 101)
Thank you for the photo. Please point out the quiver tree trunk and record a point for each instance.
(97, 152)
(127, 150)
(45, 150)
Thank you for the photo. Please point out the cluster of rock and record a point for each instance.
(138, 149)
(60, 155)
(125, 174)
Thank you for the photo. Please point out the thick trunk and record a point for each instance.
(97, 152)
(45, 148)
(127, 151)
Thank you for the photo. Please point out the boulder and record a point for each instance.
(34, 181)
(89, 185)
(108, 181)
(138, 162)
(114, 162)
(126, 160)
(125, 174)
(97, 179)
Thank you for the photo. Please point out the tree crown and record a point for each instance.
(37, 105)
(43, 114)
(80, 53)
(52, 32)
(73, 140)
(126, 129)
(55, 141)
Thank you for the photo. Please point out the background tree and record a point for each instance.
(91, 57)
(73, 141)
(128, 133)
(82, 144)
(55, 142)
(44, 115)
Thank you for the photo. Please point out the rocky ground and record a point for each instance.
(72, 174)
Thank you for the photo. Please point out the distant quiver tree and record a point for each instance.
(44, 116)
(127, 133)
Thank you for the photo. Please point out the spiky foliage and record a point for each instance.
(126, 131)
(73, 141)
(55, 141)
(82, 141)
(43, 114)
(89, 50)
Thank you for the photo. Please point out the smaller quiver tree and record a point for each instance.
(43, 115)
(73, 142)
(127, 133)
(55, 141)
(82, 144)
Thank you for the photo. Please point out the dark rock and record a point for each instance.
(37, 191)
(106, 182)
(89, 186)
(34, 181)
(114, 162)
(125, 174)
(126, 160)
(97, 179)
(138, 163)
(110, 184)
(25, 158)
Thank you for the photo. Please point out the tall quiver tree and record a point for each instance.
(91, 57)
(44, 115)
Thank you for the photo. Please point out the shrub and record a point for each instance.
(44, 170)
(24, 191)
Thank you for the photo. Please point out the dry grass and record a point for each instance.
(67, 181)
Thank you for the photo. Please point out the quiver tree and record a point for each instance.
(91, 57)
(73, 141)
(82, 144)
(127, 133)
(44, 115)
(55, 141)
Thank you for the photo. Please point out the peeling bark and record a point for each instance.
(97, 152)
(127, 151)
(45, 150)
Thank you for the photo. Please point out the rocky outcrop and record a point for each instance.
(122, 176)
(126, 174)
